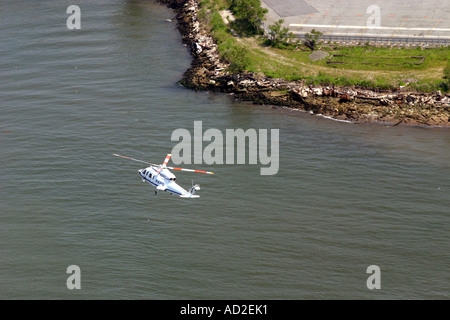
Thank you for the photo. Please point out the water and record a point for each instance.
(346, 196)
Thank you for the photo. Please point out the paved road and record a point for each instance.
(411, 21)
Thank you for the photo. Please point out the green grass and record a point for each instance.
(382, 61)
(435, 57)
(251, 54)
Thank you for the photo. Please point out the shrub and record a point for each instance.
(444, 86)
(447, 73)
(249, 16)
(312, 38)
(237, 57)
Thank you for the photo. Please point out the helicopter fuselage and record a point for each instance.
(164, 180)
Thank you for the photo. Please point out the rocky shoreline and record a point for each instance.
(357, 105)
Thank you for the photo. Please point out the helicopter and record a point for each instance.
(160, 177)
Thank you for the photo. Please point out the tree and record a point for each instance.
(312, 38)
(278, 34)
(249, 15)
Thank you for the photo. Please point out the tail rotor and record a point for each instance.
(194, 188)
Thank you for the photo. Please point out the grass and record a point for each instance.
(387, 68)
(382, 61)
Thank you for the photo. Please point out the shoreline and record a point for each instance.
(356, 105)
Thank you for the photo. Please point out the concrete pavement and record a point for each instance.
(397, 18)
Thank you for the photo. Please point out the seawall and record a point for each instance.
(359, 105)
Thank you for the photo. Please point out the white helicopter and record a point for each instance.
(159, 176)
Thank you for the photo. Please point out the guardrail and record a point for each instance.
(364, 39)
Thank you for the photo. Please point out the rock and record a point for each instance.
(246, 83)
(328, 92)
(198, 49)
(410, 99)
(317, 91)
(318, 55)
(344, 98)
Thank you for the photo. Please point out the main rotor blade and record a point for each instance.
(118, 155)
(164, 163)
(167, 159)
(190, 170)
